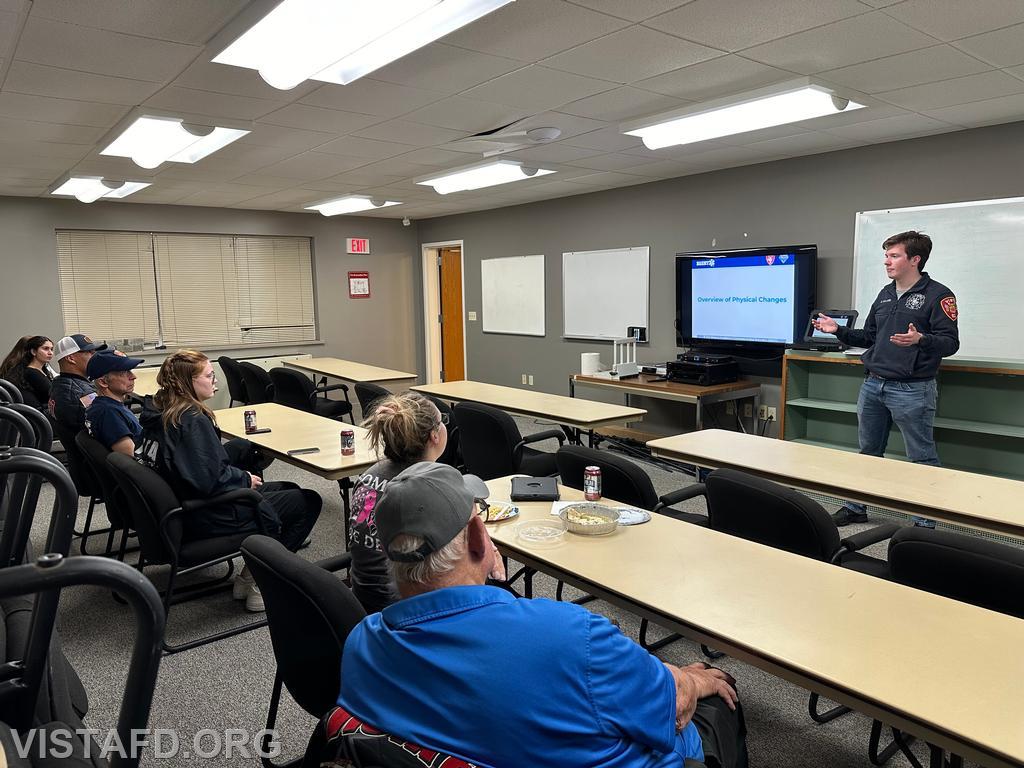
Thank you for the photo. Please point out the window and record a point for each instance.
(181, 289)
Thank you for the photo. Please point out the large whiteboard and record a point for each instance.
(978, 252)
(513, 295)
(605, 292)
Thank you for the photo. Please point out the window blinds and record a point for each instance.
(184, 289)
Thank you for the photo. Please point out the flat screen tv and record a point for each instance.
(755, 299)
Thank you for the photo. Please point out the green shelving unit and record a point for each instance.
(979, 423)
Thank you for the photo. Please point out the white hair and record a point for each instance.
(433, 566)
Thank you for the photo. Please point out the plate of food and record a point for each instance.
(499, 510)
(590, 519)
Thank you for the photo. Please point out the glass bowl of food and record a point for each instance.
(590, 519)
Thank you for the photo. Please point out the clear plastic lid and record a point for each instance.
(542, 533)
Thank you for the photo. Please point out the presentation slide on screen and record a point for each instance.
(746, 298)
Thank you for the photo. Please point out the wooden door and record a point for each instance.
(452, 341)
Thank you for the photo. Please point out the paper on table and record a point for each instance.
(854, 351)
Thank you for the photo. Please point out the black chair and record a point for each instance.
(296, 390)
(118, 512)
(9, 392)
(236, 380)
(367, 394)
(452, 455)
(492, 445)
(258, 386)
(157, 515)
(86, 483)
(310, 613)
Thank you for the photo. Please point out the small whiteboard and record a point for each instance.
(605, 292)
(512, 291)
(977, 252)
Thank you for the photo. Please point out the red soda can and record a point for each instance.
(592, 483)
(348, 442)
(250, 422)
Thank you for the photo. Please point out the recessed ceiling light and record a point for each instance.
(151, 140)
(765, 108)
(88, 189)
(349, 204)
(485, 174)
(339, 42)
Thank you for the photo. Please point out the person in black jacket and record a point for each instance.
(911, 326)
(26, 368)
(71, 392)
(186, 448)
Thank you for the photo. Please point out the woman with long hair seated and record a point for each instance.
(26, 367)
(190, 455)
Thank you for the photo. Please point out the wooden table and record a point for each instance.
(572, 412)
(347, 370)
(979, 501)
(894, 653)
(655, 386)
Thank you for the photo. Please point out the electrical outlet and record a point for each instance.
(766, 413)
(771, 413)
(531, 380)
(472, 316)
(730, 407)
(748, 410)
(524, 378)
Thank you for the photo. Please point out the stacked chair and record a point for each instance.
(296, 390)
(367, 394)
(235, 378)
(258, 386)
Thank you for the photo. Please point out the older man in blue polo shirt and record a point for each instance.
(107, 418)
(472, 670)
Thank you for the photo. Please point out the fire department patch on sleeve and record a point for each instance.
(948, 305)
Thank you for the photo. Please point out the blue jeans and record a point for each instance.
(911, 404)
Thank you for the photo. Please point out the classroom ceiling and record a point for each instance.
(72, 69)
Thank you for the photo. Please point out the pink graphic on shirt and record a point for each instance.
(364, 514)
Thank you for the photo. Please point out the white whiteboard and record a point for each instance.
(978, 253)
(512, 291)
(605, 292)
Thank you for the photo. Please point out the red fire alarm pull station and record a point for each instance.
(359, 285)
(357, 245)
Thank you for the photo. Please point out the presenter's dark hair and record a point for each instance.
(914, 243)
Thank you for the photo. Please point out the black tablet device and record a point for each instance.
(815, 339)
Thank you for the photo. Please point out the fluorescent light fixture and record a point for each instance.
(766, 108)
(150, 141)
(88, 189)
(486, 174)
(339, 41)
(349, 204)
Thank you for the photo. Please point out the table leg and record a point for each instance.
(344, 486)
(700, 415)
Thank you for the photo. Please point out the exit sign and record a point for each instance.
(357, 244)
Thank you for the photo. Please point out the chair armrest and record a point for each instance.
(547, 434)
(335, 563)
(866, 538)
(247, 497)
(689, 492)
(324, 389)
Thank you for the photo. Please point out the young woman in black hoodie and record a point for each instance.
(189, 453)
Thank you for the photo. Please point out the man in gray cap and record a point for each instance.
(471, 670)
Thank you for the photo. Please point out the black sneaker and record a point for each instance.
(845, 516)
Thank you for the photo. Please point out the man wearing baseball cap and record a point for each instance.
(107, 418)
(71, 391)
(470, 669)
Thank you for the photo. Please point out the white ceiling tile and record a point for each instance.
(22, 189)
(1003, 48)
(953, 19)
(245, 158)
(892, 128)
(416, 134)
(552, 153)
(529, 30)
(723, 76)
(806, 143)
(360, 177)
(610, 162)
(846, 42)
(927, 65)
(313, 165)
(26, 174)
(948, 93)
(732, 25)
(1016, 72)
(434, 156)
(285, 138)
(188, 21)
(319, 119)
(603, 178)
(45, 109)
(353, 146)
(27, 130)
(622, 103)
(204, 75)
(631, 10)
(101, 52)
(604, 139)
(537, 88)
(372, 97)
(113, 167)
(876, 111)
(200, 172)
(8, 31)
(630, 55)
(468, 115)
(261, 179)
(210, 104)
(11, 151)
(569, 125)
(880, 3)
(440, 67)
(40, 80)
(1005, 109)
(663, 169)
(396, 166)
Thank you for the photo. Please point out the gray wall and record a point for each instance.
(810, 199)
(381, 330)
